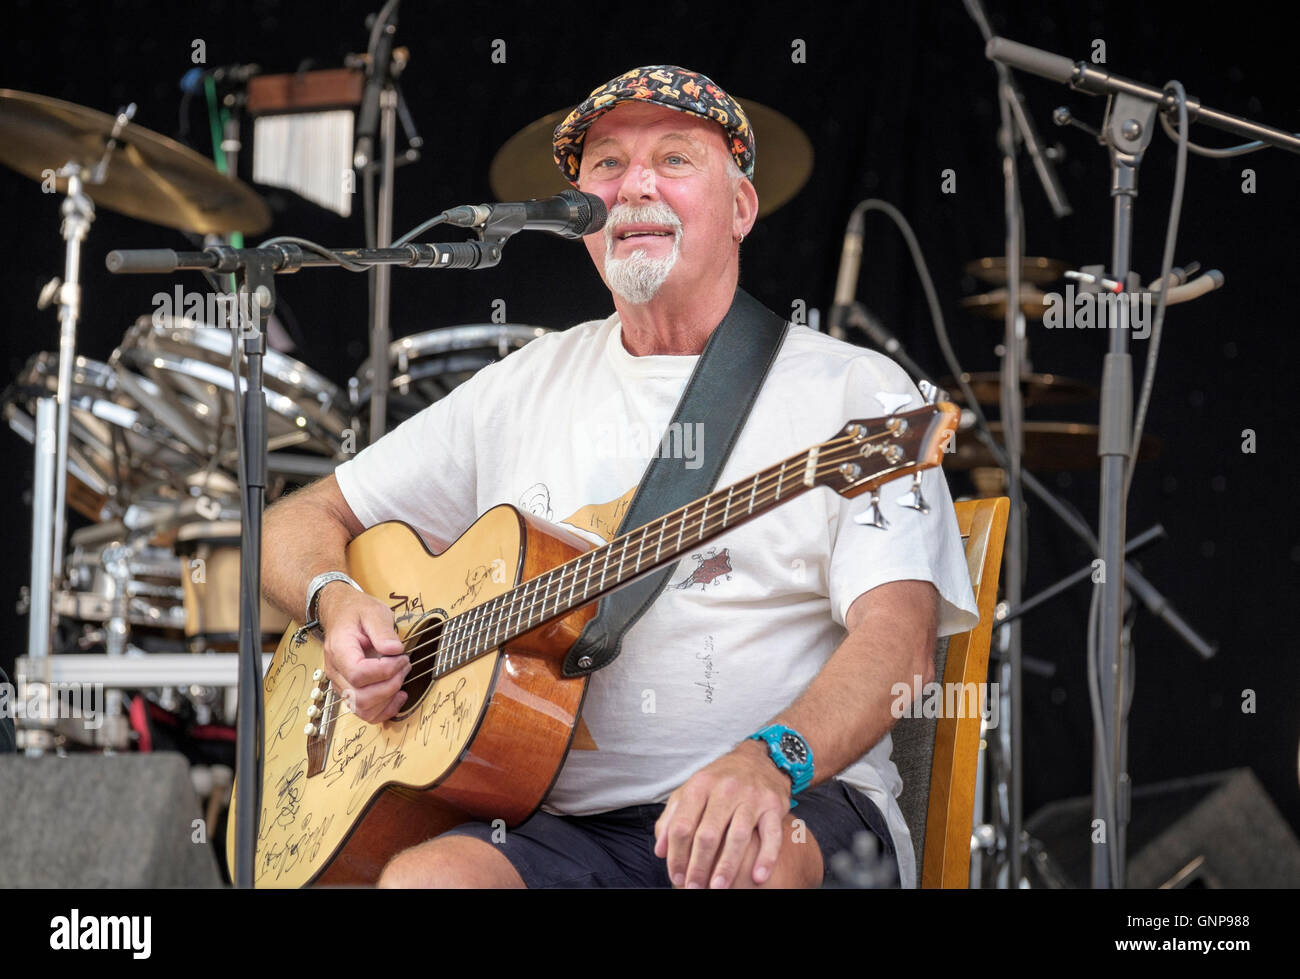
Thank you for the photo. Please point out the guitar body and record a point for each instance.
(484, 742)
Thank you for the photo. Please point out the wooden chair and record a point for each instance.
(937, 757)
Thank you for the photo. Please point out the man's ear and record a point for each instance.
(746, 206)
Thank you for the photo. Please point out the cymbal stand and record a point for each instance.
(49, 523)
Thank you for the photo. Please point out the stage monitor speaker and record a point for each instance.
(1217, 830)
(93, 820)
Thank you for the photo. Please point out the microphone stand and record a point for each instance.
(1130, 115)
(379, 98)
(254, 270)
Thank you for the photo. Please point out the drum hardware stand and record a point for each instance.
(382, 95)
(1130, 115)
(992, 840)
(116, 558)
(1016, 126)
(49, 522)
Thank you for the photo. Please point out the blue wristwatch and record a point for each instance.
(791, 753)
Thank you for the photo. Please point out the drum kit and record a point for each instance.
(152, 578)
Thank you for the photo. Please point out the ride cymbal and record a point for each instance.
(1035, 389)
(1035, 271)
(1049, 447)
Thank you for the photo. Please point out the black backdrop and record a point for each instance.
(891, 95)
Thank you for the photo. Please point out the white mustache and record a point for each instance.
(623, 214)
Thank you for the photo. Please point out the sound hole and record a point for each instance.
(422, 646)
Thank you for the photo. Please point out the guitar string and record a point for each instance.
(828, 462)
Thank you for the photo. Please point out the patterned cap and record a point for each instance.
(666, 85)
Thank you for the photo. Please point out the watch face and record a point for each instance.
(794, 749)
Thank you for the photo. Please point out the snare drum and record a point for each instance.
(209, 562)
(425, 367)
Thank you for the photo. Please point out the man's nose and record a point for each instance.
(638, 185)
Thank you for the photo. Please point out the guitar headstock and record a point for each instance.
(869, 452)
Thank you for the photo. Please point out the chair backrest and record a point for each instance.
(937, 757)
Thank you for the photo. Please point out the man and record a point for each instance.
(713, 741)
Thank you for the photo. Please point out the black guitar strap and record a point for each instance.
(718, 395)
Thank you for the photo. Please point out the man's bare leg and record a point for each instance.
(451, 861)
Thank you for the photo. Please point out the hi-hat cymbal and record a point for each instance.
(993, 304)
(1049, 447)
(149, 176)
(1036, 271)
(524, 167)
(1035, 389)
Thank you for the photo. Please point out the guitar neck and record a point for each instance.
(625, 558)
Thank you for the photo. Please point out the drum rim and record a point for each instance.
(188, 333)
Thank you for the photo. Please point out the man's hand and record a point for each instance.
(363, 656)
(709, 821)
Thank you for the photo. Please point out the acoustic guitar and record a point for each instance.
(487, 622)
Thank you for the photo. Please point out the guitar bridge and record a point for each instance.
(322, 712)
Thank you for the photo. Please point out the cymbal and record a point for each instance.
(1035, 389)
(524, 167)
(149, 176)
(1037, 271)
(993, 304)
(1049, 447)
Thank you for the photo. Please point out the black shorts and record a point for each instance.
(616, 849)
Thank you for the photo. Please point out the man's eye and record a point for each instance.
(674, 159)
(609, 159)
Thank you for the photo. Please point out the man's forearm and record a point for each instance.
(847, 707)
(303, 535)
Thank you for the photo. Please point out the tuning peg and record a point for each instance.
(931, 392)
(871, 516)
(912, 499)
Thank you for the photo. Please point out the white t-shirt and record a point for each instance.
(565, 427)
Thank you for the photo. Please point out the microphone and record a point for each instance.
(381, 56)
(571, 214)
(846, 284)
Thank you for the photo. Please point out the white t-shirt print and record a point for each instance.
(565, 427)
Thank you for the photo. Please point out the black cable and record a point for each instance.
(321, 250)
(420, 229)
(1157, 328)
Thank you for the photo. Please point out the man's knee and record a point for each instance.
(798, 865)
(450, 861)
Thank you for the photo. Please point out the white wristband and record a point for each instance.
(319, 582)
